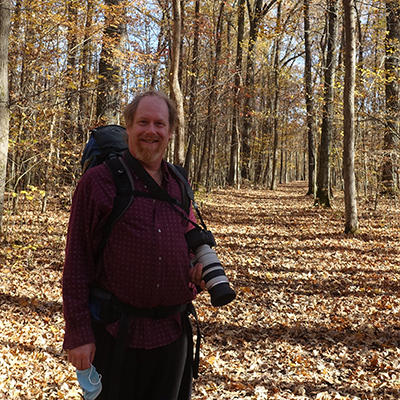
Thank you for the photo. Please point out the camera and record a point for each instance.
(201, 241)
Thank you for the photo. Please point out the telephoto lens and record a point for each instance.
(217, 284)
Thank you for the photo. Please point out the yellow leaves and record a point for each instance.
(268, 276)
(33, 194)
(211, 360)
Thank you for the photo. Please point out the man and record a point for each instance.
(145, 264)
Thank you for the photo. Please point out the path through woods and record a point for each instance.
(316, 314)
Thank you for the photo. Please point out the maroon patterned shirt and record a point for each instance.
(146, 259)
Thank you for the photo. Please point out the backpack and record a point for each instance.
(107, 144)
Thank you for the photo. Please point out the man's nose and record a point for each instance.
(151, 127)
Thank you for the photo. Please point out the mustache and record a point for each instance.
(150, 138)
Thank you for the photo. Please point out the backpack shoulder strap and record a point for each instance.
(180, 172)
(186, 189)
(124, 196)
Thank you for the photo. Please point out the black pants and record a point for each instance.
(164, 373)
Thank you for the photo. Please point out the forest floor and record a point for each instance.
(316, 314)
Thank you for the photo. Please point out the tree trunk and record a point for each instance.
(72, 101)
(309, 101)
(255, 16)
(175, 88)
(161, 45)
(323, 177)
(85, 103)
(234, 160)
(392, 64)
(193, 88)
(351, 224)
(110, 77)
(360, 131)
(276, 100)
(210, 121)
(5, 6)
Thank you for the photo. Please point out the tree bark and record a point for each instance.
(276, 100)
(309, 101)
(351, 224)
(233, 178)
(175, 88)
(110, 80)
(255, 17)
(392, 64)
(72, 100)
(323, 177)
(193, 89)
(210, 121)
(85, 90)
(5, 17)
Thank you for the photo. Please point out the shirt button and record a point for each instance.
(158, 285)
(159, 258)
(159, 231)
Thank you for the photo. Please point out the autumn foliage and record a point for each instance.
(316, 314)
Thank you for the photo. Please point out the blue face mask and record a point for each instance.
(90, 382)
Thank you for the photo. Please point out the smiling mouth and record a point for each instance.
(151, 141)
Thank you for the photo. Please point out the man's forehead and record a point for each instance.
(152, 105)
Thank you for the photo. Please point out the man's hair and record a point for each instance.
(130, 109)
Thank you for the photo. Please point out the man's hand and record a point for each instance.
(195, 276)
(81, 357)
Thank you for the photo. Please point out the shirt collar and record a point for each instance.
(165, 171)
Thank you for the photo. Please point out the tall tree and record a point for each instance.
(175, 88)
(71, 108)
(5, 6)
(110, 65)
(323, 175)
(351, 224)
(161, 45)
(392, 64)
(256, 14)
(208, 149)
(233, 178)
(85, 104)
(275, 110)
(309, 100)
(193, 88)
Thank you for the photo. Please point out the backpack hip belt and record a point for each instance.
(107, 308)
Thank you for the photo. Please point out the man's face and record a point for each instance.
(149, 134)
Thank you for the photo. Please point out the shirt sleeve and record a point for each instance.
(79, 267)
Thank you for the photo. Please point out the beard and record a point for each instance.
(149, 154)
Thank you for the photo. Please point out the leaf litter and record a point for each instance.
(316, 314)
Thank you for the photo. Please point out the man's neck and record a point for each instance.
(154, 170)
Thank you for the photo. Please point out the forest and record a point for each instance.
(288, 128)
(263, 89)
